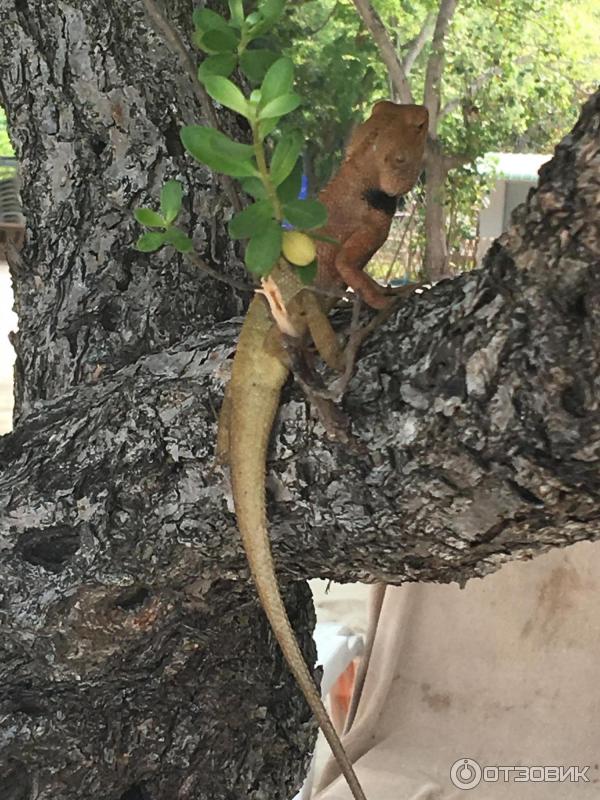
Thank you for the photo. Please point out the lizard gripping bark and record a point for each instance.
(383, 161)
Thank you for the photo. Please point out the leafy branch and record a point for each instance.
(277, 222)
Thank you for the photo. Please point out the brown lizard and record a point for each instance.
(382, 161)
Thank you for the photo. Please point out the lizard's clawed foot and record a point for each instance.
(404, 290)
(383, 297)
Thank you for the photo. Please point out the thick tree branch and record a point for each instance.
(473, 87)
(492, 385)
(470, 90)
(418, 43)
(386, 47)
(454, 160)
(435, 64)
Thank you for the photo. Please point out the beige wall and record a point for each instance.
(494, 217)
(490, 219)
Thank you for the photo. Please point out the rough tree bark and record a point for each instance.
(95, 100)
(135, 663)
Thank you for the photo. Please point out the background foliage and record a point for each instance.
(516, 74)
(5, 145)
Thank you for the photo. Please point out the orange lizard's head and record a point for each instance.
(392, 143)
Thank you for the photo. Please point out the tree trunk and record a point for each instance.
(436, 246)
(142, 694)
(134, 659)
(95, 101)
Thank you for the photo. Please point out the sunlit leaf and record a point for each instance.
(280, 106)
(213, 148)
(149, 218)
(272, 9)
(227, 93)
(171, 196)
(150, 242)
(236, 9)
(179, 240)
(278, 80)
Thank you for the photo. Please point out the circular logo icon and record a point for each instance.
(465, 773)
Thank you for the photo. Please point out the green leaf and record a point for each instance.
(207, 20)
(149, 218)
(264, 249)
(267, 126)
(223, 144)
(285, 156)
(150, 242)
(272, 9)
(217, 41)
(278, 80)
(253, 218)
(170, 200)
(257, 25)
(180, 241)
(290, 188)
(280, 106)
(266, 17)
(213, 148)
(255, 63)
(307, 274)
(305, 214)
(254, 187)
(236, 9)
(227, 93)
(222, 64)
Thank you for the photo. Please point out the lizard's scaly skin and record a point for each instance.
(257, 377)
(256, 382)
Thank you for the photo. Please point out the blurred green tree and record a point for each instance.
(495, 75)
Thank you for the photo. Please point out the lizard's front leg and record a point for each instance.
(322, 332)
(306, 313)
(352, 258)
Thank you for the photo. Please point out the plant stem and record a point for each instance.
(265, 177)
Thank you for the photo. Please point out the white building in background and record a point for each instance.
(516, 174)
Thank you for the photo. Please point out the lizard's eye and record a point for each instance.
(420, 126)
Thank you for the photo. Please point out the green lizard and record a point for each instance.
(383, 161)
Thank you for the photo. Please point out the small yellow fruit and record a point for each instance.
(298, 248)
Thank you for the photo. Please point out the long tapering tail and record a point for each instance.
(252, 418)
